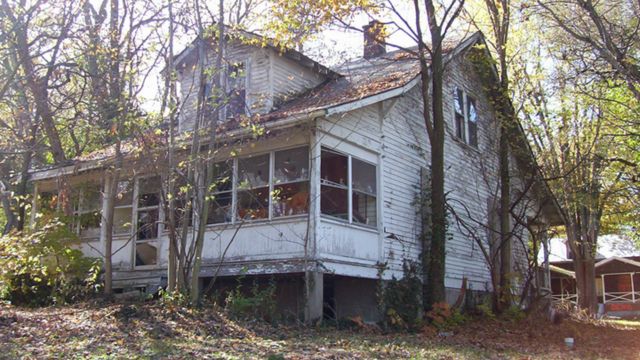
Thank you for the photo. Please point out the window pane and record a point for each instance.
(459, 126)
(473, 121)
(333, 168)
(147, 224)
(364, 176)
(236, 98)
(146, 254)
(364, 209)
(122, 220)
(181, 212)
(253, 204)
(220, 208)
(253, 172)
(90, 224)
(458, 101)
(91, 198)
(334, 202)
(291, 165)
(222, 175)
(291, 199)
(124, 195)
(149, 191)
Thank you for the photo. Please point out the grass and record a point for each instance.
(156, 331)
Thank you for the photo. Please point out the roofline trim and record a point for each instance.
(46, 174)
(621, 259)
(562, 271)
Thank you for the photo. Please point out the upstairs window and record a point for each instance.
(465, 117)
(348, 188)
(472, 115)
(458, 103)
(236, 96)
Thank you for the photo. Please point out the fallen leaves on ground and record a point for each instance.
(151, 330)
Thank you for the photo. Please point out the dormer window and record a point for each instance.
(236, 96)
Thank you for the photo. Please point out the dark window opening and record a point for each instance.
(473, 121)
(236, 97)
(458, 102)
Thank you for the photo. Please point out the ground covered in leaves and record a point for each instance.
(153, 330)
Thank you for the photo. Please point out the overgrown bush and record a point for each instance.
(41, 267)
(443, 317)
(258, 303)
(401, 299)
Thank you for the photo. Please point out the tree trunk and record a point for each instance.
(436, 291)
(586, 284)
(505, 217)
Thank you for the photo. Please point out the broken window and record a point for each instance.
(236, 97)
(253, 187)
(472, 114)
(334, 190)
(291, 182)
(221, 190)
(458, 102)
(147, 220)
(364, 208)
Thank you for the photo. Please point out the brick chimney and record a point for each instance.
(374, 39)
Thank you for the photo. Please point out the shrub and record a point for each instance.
(443, 317)
(401, 301)
(42, 268)
(257, 304)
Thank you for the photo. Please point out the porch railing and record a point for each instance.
(618, 297)
(565, 297)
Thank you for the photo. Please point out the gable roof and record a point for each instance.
(251, 38)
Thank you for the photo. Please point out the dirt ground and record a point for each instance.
(157, 331)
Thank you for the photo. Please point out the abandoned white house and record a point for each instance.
(331, 185)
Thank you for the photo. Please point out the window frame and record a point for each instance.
(155, 242)
(245, 85)
(350, 190)
(79, 209)
(467, 99)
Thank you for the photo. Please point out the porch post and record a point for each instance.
(633, 290)
(315, 296)
(34, 206)
(105, 203)
(604, 291)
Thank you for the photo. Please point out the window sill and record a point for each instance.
(336, 221)
(249, 223)
(464, 145)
